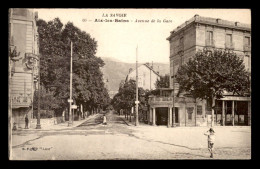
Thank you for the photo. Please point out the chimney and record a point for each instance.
(196, 16)
(218, 20)
(36, 15)
(147, 64)
(236, 23)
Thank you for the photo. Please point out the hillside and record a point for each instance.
(115, 71)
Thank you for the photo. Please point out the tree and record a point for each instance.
(163, 82)
(212, 72)
(125, 98)
(88, 86)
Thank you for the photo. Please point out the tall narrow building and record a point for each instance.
(196, 34)
(23, 62)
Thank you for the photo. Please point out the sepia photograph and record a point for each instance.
(129, 84)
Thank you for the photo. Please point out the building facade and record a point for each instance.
(147, 77)
(193, 35)
(23, 63)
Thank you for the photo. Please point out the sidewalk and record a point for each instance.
(20, 138)
(132, 123)
(59, 126)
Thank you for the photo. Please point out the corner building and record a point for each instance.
(193, 35)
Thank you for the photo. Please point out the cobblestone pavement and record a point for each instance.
(93, 140)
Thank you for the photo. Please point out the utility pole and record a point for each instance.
(136, 102)
(38, 126)
(70, 100)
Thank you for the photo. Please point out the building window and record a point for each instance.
(189, 111)
(199, 110)
(190, 116)
(247, 41)
(171, 48)
(181, 41)
(229, 38)
(229, 43)
(247, 44)
(209, 38)
(180, 46)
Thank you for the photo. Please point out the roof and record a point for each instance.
(145, 66)
(151, 69)
(212, 21)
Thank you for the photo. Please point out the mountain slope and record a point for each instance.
(115, 71)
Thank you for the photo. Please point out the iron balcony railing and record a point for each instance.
(160, 99)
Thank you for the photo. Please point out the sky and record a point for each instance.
(119, 40)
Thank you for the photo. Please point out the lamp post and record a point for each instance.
(70, 100)
(136, 102)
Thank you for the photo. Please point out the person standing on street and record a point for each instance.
(26, 121)
(211, 139)
(104, 120)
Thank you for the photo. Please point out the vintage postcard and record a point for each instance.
(126, 84)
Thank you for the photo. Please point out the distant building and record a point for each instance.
(24, 49)
(196, 34)
(147, 77)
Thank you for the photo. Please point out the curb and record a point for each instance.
(127, 123)
(65, 127)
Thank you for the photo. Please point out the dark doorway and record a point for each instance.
(161, 115)
(228, 113)
(241, 113)
(218, 112)
(176, 115)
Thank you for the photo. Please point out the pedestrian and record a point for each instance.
(26, 121)
(211, 139)
(104, 119)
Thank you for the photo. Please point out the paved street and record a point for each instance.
(117, 140)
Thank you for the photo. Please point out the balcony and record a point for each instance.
(160, 100)
(247, 48)
(210, 43)
(230, 46)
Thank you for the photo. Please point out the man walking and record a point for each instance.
(26, 121)
(104, 120)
